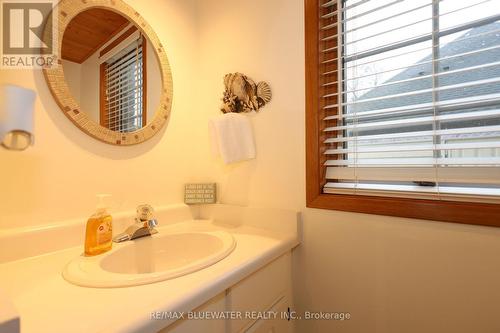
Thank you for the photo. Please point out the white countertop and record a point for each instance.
(48, 303)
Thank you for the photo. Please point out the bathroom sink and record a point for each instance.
(150, 259)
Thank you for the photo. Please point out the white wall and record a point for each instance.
(90, 87)
(153, 80)
(262, 39)
(58, 177)
(73, 76)
(392, 274)
(397, 275)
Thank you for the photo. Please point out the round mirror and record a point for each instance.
(112, 79)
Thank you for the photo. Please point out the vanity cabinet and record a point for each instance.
(260, 300)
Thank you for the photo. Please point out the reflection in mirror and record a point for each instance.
(111, 70)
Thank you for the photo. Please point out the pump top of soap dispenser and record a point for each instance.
(101, 205)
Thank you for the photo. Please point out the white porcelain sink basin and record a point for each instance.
(150, 259)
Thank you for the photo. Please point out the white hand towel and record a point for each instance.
(232, 137)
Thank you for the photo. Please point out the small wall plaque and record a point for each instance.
(200, 193)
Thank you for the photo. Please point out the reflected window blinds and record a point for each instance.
(410, 90)
(124, 82)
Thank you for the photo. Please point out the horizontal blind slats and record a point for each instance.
(414, 121)
(424, 77)
(417, 161)
(469, 84)
(464, 130)
(472, 175)
(409, 148)
(124, 89)
(410, 190)
(412, 23)
(488, 34)
(450, 105)
(420, 103)
(418, 39)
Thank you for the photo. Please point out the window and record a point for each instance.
(403, 108)
(123, 89)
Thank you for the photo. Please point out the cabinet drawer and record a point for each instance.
(216, 304)
(277, 325)
(259, 291)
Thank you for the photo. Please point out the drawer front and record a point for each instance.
(216, 304)
(276, 325)
(259, 291)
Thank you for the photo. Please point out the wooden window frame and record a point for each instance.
(447, 211)
(103, 111)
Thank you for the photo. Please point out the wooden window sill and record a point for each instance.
(447, 211)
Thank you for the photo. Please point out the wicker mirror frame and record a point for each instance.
(66, 10)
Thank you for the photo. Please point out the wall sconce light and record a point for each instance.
(16, 117)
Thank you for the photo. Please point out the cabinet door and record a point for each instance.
(259, 291)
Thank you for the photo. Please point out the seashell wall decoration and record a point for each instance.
(243, 95)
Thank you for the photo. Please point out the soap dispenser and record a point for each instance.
(99, 230)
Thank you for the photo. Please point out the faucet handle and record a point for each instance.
(144, 225)
(145, 212)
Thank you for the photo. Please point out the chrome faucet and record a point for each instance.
(144, 225)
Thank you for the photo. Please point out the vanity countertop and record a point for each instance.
(48, 303)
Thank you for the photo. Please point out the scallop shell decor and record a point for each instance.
(243, 95)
